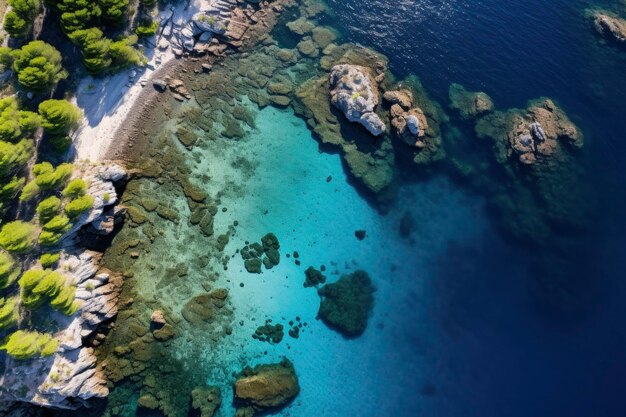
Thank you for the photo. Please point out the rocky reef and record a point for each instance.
(469, 104)
(265, 387)
(71, 377)
(611, 27)
(347, 304)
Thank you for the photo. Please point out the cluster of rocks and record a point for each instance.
(314, 277)
(346, 304)
(206, 307)
(610, 27)
(72, 377)
(534, 134)
(271, 333)
(256, 255)
(265, 388)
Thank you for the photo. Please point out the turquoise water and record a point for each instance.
(466, 322)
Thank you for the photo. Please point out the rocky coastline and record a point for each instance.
(71, 377)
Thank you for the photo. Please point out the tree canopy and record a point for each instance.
(38, 66)
(58, 117)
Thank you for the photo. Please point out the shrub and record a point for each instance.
(124, 55)
(49, 259)
(18, 236)
(38, 66)
(58, 117)
(9, 270)
(50, 285)
(49, 178)
(147, 29)
(8, 312)
(76, 188)
(78, 206)
(27, 344)
(48, 208)
(49, 238)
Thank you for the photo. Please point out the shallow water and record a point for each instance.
(465, 321)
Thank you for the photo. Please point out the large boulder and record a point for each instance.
(354, 91)
(346, 304)
(267, 386)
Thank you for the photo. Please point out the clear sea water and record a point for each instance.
(460, 326)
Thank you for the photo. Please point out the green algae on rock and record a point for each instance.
(346, 305)
(469, 104)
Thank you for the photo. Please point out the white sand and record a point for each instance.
(106, 102)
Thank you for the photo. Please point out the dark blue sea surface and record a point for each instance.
(516, 347)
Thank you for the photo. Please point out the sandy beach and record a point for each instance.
(107, 102)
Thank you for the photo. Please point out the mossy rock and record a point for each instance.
(186, 137)
(314, 277)
(167, 213)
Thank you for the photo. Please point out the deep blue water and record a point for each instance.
(514, 354)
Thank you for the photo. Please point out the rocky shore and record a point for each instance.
(72, 377)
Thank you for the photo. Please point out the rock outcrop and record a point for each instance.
(71, 377)
(267, 386)
(354, 91)
(610, 27)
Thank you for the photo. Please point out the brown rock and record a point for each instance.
(267, 386)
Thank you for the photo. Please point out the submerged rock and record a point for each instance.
(269, 333)
(354, 92)
(469, 104)
(267, 386)
(610, 27)
(346, 304)
(314, 277)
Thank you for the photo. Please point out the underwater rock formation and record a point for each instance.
(269, 333)
(346, 304)
(354, 92)
(205, 307)
(610, 27)
(266, 387)
(469, 104)
(536, 133)
(266, 253)
(314, 277)
(206, 400)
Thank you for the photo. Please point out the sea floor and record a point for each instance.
(276, 179)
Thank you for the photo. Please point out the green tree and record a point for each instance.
(78, 206)
(48, 208)
(8, 312)
(9, 270)
(16, 124)
(18, 236)
(58, 224)
(114, 11)
(49, 178)
(15, 25)
(19, 21)
(13, 157)
(58, 117)
(147, 28)
(75, 188)
(95, 48)
(49, 238)
(49, 259)
(125, 55)
(27, 344)
(78, 14)
(38, 66)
